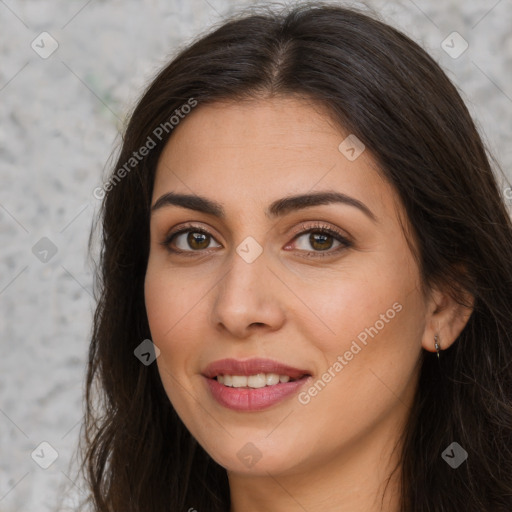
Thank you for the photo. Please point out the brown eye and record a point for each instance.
(197, 240)
(320, 241)
(189, 240)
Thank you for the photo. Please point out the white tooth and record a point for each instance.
(272, 378)
(239, 381)
(257, 381)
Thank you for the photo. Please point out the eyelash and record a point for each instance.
(316, 228)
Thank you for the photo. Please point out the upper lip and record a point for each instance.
(251, 367)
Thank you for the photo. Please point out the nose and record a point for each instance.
(248, 298)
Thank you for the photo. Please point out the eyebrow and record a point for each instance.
(278, 208)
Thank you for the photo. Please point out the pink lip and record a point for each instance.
(246, 399)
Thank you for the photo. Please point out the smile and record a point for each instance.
(254, 384)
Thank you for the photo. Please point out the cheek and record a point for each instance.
(160, 309)
(366, 330)
(171, 307)
(368, 367)
(172, 297)
(369, 337)
(377, 299)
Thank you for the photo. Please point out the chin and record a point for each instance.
(255, 458)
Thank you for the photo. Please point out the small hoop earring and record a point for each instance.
(436, 344)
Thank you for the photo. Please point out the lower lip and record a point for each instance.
(256, 399)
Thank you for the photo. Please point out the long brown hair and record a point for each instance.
(381, 86)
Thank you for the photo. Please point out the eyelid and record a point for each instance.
(303, 228)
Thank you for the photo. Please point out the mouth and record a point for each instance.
(254, 384)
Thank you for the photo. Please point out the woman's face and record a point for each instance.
(254, 280)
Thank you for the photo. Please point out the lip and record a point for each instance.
(251, 367)
(252, 399)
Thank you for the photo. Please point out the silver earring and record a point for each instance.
(436, 344)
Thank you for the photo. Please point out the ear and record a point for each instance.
(446, 319)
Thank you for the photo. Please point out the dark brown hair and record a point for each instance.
(381, 86)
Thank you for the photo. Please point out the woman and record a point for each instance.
(305, 283)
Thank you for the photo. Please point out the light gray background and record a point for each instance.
(60, 119)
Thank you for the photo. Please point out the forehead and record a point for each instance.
(261, 150)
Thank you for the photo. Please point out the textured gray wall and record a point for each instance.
(60, 117)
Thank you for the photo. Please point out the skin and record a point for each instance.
(335, 452)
